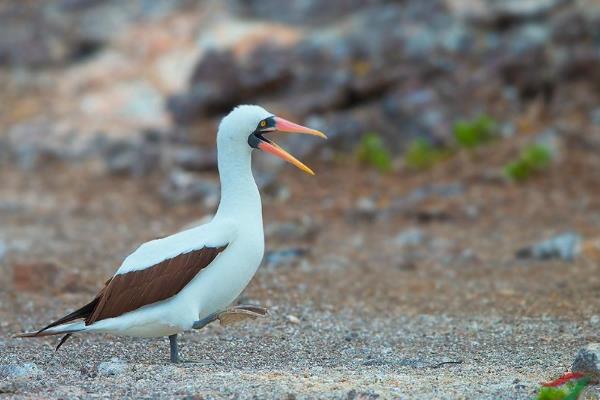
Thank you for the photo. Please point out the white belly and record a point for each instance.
(213, 289)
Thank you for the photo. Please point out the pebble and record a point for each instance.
(181, 187)
(588, 360)
(292, 319)
(418, 195)
(564, 246)
(195, 158)
(136, 158)
(302, 229)
(278, 258)
(19, 370)
(111, 368)
(3, 250)
(365, 208)
(410, 237)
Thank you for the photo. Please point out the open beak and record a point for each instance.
(282, 125)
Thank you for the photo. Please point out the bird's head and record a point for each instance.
(247, 126)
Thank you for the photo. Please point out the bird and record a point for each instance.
(191, 278)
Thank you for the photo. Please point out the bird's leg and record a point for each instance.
(174, 350)
(205, 321)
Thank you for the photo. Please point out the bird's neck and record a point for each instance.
(240, 197)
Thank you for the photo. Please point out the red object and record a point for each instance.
(569, 376)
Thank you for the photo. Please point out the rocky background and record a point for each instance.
(439, 272)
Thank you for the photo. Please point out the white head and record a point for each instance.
(243, 128)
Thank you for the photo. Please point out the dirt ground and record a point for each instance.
(454, 315)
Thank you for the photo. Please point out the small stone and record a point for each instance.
(19, 370)
(182, 187)
(279, 258)
(595, 116)
(123, 157)
(302, 229)
(111, 368)
(3, 250)
(195, 158)
(595, 320)
(409, 237)
(588, 360)
(365, 209)
(407, 262)
(292, 319)
(564, 246)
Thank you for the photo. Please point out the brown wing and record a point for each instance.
(135, 289)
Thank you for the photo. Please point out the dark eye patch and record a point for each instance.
(266, 124)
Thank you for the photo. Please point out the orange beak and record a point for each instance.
(282, 125)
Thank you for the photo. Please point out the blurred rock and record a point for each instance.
(341, 75)
(194, 158)
(30, 37)
(293, 319)
(25, 370)
(212, 89)
(34, 277)
(303, 229)
(131, 157)
(46, 277)
(522, 8)
(284, 257)
(132, 101)
(3, 249)
(419, 195)
(112, 368)
(407, 262)
(564, 246)
(365, 209)
(501, 11)
(59, 32)
(181, 187)
(588, 361)
(595, 116)
(409, 237)
(550, 139)
(298, 11)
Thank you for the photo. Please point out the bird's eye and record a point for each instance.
(263, 123)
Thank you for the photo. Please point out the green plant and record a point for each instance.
(533, 159)
(476, 132)
(569, 391)
(421, 154)
(372, 151)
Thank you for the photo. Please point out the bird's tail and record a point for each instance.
(57, 330)
(67, 329)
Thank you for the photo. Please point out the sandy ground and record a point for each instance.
(453, 316)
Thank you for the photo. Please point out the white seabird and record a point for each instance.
(189, 279)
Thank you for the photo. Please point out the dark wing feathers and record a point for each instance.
(135, 289)
(132, 290)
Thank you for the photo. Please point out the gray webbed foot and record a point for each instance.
(232, 315)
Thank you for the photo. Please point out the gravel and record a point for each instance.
(8, 371)
(327, 355)
(113, 367)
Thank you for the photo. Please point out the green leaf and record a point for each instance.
(422, 155)
(532, 160)
(476, 132)
(372, 151)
